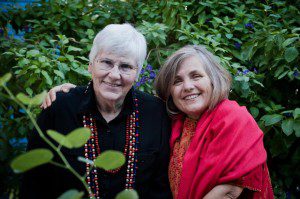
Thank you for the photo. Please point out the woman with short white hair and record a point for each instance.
(120, 118)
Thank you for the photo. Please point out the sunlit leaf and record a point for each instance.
(59, 138)
(127, 194)
(78, 137)
(109, 160)
(5, 78)
(71, 194)
(31, 159)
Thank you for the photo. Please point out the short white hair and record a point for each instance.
(122, 40)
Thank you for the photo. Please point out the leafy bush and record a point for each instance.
(257, 41)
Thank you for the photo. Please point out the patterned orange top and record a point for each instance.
(180, 147)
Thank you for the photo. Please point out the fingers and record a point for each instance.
(67, 86)
(51, 95)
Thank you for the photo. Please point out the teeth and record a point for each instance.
(110, 84)
(191, 97)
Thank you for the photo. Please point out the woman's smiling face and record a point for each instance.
(191, 90)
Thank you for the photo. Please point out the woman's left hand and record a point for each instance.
(224, 191)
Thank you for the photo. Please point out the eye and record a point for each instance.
(126, 67)
(177, 81)
(196, 76)
(108, 62)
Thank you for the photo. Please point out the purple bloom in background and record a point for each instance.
(255, 70)
(138, 84)
(149, 67)
(245, 72)
(1, 32)
(249, 25)
(143, 80)
(142, 71)
(296, 73)
(237, 45)
(207, 20)
(152, 75)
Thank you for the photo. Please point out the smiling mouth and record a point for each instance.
(190, 97)
(111, 84)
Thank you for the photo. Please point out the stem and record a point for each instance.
(41, 134)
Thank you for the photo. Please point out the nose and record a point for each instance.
(188, 86)
(114, 73)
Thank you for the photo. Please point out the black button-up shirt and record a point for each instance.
(65, 115)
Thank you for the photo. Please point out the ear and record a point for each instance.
(90, 67)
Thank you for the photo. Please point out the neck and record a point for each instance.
(109, 109)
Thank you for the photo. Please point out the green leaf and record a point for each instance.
(289, 41)
(71, 194)
(38, 99)
(109, 160)
(229, 36)
(254, 111)
(32, 53)
(4, 79)
(271, 119)
(296, 113)
(59, 73)
(72, 48)
(59, 138)
(47, 77)
(296, 128)
(287, 126)
(31, 159)
(291, 54)
(79, 137)
(127, 194)
(23, 98)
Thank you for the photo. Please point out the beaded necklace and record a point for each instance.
(92, 151)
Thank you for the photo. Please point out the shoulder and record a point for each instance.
(70, 99)
(231, 108)
(229, 114)
(149, 101)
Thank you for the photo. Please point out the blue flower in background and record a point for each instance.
(237, 45)
(22, 110)
(152, 75)
(255, 70)
(17, 142)
(138, 84)
(149, 67)
(245, 72)
(142, 71)
(143, 80)
(249, 25)
(296, 73)
(1, 32)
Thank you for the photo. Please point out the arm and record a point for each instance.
(225, 191)
(51, 96)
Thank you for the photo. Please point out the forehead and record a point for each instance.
(190, 64)
(116, 57)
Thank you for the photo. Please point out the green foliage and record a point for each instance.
(127, 194)
(257, 41)
(31, 159)
(110, 160)
(71, 194)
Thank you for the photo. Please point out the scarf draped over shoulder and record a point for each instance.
(226, 146)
